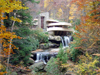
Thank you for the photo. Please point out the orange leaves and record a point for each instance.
(96, 54)
(3, 17)
(2, 29)
(76, 28)
(84, 40)
(83, 30)
(19, 37)
(7, 38)
(2, 73)
(77, 47)
(5, 34)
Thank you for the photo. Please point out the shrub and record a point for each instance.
(40, 35)
(25, 45)
(54, 64)
(52, 67)
(62, 55)
(86, 65)
(75, 49)
(24, 51)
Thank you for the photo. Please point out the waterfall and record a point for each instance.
(42, 56)
(37, 57)
(65, 41)
(62, 41)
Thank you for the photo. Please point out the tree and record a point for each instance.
(7, 6)
(88, 31)
(58, 9)
(29, 42)
(25, 45)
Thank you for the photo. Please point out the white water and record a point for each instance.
(42, 56)
(65, 41)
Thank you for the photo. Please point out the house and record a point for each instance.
(40, 21)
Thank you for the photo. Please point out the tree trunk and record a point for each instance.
(10, 45)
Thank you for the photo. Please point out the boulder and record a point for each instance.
(57, 38)
(38, 50)
(32, 55)
(39, 66)
(51, 33)
(44, 46)
(51, 37)
(31, 61)
(53, 45)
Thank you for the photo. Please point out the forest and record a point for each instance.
(20, 37)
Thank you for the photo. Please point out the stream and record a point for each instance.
(46, 55)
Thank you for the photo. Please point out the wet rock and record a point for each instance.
(44, 46)
(57, 38)
(38, 50)
(31, 61)
(53, 45)
(51, 33)
(32, 55)
(39, 66)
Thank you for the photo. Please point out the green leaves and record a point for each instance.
(33, 1)
(62, 55)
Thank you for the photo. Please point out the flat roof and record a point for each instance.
(60, 23)
(60, 29)
(51, 20)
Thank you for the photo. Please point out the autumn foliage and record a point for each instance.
(7, 6)
(87, 36)
(89, 29)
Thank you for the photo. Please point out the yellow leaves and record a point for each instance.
(60, 12)
(9, 5)
(2, 29)
(73, 10)
(15, 19)
(7, 35)
(71, 17)
(86, 66)
(1, 66)
(7, 38)
(45, 3)
(65, 65)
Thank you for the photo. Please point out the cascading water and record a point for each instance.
(42, 56)
(66, 40)
(45, 56)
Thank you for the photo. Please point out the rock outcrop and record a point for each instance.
(39, 66)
